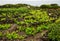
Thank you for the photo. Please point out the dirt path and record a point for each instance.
(13, 28)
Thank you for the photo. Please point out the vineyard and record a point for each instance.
(27, 23)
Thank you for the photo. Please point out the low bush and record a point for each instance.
(54, 32)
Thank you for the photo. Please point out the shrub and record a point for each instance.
(54, 32)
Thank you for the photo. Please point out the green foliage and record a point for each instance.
(21, 28)
(23, 10)
(21, 37)
(50, 6)
(30, 20)
(30, 31)
(58, 20)
(12, 35)
(13, 5)
(42, 27)
(4, 26)
(1, 34)
(40, 15)
(45, 6)
(54, 32)
(3, 19)
(38, 29)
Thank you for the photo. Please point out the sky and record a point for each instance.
(30, 2)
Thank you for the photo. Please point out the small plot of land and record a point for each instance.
(29, 24)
